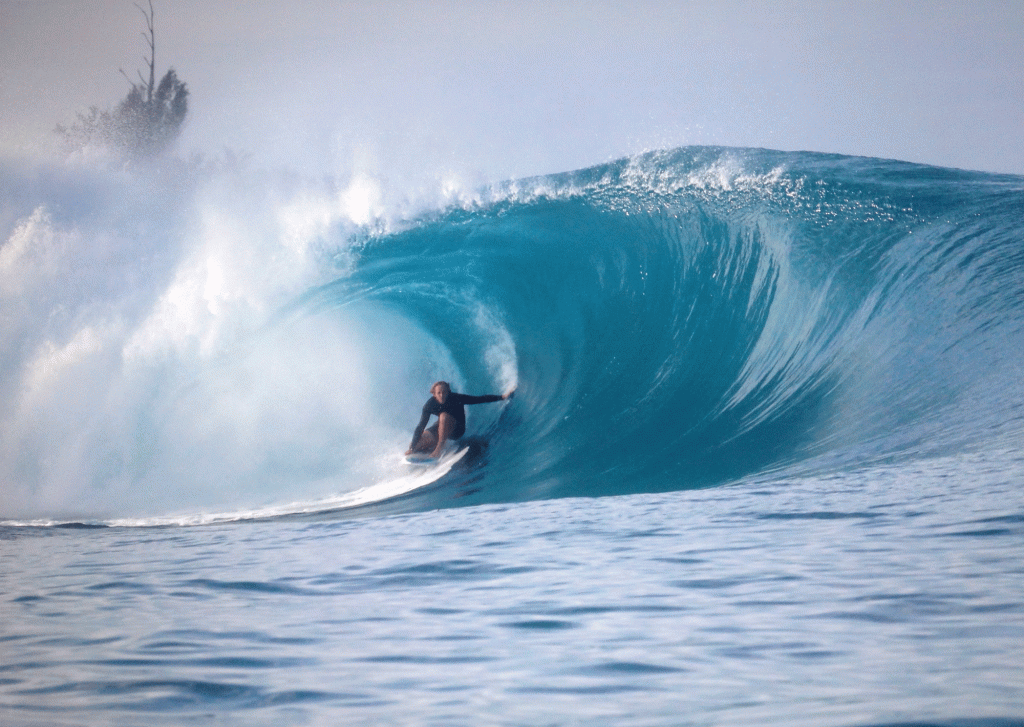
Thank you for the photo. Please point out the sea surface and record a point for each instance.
(763, 464)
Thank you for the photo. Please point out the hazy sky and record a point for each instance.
(498, 89)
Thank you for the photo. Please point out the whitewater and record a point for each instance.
(763, 465)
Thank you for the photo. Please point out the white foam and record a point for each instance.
(143, 364)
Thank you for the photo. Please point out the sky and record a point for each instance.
(501, 89)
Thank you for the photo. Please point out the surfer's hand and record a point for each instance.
(509, 394)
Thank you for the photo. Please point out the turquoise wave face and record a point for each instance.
(685, 319)
(193, 343)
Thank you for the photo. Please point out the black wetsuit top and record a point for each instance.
(455, 405)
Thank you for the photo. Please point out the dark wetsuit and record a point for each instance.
(455, 405)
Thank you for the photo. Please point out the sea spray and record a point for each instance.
(189, 342)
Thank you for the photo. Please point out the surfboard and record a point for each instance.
(449, 458)
(417, 458)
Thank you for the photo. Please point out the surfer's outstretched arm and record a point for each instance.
(486, 398)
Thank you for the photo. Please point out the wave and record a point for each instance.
(675, 320)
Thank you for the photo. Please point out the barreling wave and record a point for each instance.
(688, 318)
(676, 320)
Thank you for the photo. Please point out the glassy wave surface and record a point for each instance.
(222, 347)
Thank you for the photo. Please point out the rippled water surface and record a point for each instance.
(763, 463)
(889, 596)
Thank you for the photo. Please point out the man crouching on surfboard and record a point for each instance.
(450, 409)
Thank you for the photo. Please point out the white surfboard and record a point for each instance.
(447, 458)
(420, 458)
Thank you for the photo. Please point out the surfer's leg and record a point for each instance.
(427, 440)
(445, 429)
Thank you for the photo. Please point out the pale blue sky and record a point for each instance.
(496, 89)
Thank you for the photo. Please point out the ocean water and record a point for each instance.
(763, 465)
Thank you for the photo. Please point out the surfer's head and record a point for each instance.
(440, 391)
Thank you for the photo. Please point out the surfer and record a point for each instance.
(450, 409)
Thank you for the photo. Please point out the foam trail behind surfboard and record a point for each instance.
(378, 492)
